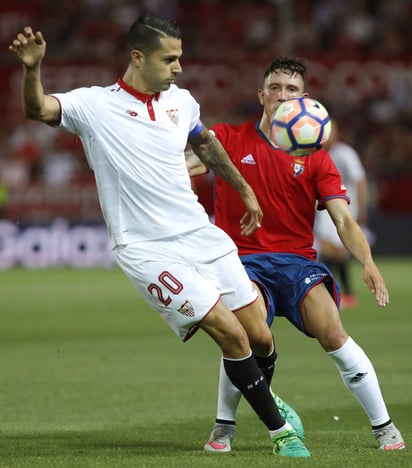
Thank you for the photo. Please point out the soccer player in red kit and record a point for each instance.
(280, 259)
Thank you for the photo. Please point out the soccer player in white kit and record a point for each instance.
(134, 133)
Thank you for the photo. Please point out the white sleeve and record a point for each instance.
(77, 109)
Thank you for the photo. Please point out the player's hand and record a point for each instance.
(376, 284)
(29, 47)
(251, 220)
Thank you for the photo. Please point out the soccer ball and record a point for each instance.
(300, 126)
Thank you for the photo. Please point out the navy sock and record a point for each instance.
(267, 365)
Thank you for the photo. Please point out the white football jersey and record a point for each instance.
(352, 171)
(135, 146)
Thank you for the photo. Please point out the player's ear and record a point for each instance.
(260, 95)
(137, 57)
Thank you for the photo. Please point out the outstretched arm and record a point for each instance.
(362, 190)
(30, 49)
(355, 241)
(213, 155)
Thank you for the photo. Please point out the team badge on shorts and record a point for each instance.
(187, 309)
(173, 115)
(314, 277)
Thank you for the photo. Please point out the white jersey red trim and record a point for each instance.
(123, 136)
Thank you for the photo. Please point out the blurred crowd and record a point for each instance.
(87, 31)
(232, 32)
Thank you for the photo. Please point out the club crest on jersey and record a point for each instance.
(187, 309)
(173, 115)
(298, 167)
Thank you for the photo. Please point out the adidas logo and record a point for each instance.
(248, 160)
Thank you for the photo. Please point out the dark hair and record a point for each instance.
(287, 65)
(146, 32)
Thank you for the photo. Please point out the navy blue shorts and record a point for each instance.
(285, 280)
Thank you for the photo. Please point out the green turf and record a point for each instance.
(91, 378)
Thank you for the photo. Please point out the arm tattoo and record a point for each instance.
(212, 154)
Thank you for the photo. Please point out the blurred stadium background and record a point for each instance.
(360, 67)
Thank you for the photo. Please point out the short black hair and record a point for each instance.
(146, 32)
(287, 65)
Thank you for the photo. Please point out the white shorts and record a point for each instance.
(183, 277)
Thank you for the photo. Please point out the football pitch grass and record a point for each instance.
(91, 377)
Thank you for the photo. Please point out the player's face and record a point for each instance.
(277, 88)
(161, 68)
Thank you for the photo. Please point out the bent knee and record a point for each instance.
(332, 339)
(253, 320)
(261, 340)
(226, 330)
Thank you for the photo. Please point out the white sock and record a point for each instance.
(281, 429)
(359, 377)
(228, 397)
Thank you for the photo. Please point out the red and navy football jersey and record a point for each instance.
(288, 189)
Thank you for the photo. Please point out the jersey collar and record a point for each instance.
(144, 97)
